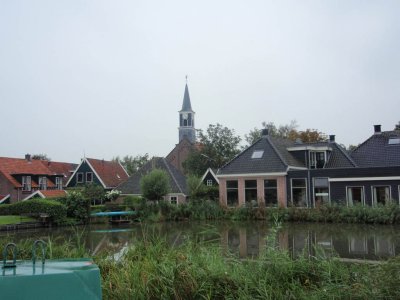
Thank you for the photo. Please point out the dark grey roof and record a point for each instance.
(177, 180)
(277, 157)
(339, 158)
(270, 162)
(376, 151)
(186, 105)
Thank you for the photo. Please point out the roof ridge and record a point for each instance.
(276, 151)
(237, 155)
(346, 154)
(172, 174)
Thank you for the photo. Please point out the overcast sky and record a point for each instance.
(106, 78)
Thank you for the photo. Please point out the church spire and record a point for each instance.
(186, 105)
(186, 119)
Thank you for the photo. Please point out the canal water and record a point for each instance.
(244, 239)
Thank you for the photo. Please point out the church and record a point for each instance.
(187, 134)
(172, 163)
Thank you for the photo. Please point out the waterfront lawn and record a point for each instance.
(6, 220)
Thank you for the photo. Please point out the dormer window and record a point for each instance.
(42, 183)
(26, 183)
(59, 183)
(257, 154)
(317, 159)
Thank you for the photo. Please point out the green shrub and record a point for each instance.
(55, 210)
(78, 206)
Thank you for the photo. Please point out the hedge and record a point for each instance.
(56, 211)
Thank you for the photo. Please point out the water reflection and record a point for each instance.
(247, 239)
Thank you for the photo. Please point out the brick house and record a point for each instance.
(19, 178)
(275, 171)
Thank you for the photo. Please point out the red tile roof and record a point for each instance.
(13, 166)
(111, 173)
(60, 168)
(53, 193)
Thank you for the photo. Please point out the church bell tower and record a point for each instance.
(186, 119)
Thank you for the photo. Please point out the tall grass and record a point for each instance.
(210, 210)
(154, 269)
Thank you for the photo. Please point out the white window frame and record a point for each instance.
(175, 199)
(209, 182)
(77, 177)
(329, 189)
(26, 182)
(291, 190)
(42, 183)
(313, 159)
(374, 201)
(86, 177)
(59, 183)
(347, 194)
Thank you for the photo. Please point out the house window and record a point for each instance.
(257, 154)
(355, 195)
(381, 194)
(173, 200)
(209, 182)
(317, 159)
(59, 183)
(299, 192)
(42, 183)
(26, 183)
(89, 177)
(79, 177)
(321, 191)
(271, 192)
(250, 191)
(232, 194)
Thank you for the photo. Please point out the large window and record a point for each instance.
(355, 195)
(232, 194)
(59, 183)
(317, 159)
(381, 194)
(26, 183)
(250, 190)
(270, 192)
(321, 191)
(42, 183)
(299, 192)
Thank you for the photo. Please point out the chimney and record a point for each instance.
(331, 138)
(264, 132)
(377, 129)
(28, 157)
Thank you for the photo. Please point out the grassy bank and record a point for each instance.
(5, 220)
(154, 269)
(209, 210)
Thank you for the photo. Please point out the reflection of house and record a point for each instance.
(108, 174)
(176, 179)
(278, 171)
(19, 178)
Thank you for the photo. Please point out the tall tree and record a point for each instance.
(218, 145)
(288, 131)
(155, 185)
(132, 164)
(397, 126)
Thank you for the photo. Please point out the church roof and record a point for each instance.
(186, 105)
